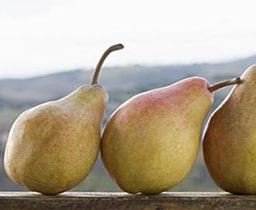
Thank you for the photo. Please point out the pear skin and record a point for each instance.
(52, 147)
(230, 139)
(151, 141)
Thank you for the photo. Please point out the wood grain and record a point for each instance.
(123, 201)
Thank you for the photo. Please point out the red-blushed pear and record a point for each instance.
(52, 147)
(229, 144)
(151, 141)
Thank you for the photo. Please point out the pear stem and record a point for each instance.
(225, 83)
(94, 79)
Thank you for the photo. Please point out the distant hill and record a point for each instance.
(122, 81)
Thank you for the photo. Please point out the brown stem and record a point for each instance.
(96, 73)
(217, 86)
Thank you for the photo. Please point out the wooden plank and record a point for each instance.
(123, 201)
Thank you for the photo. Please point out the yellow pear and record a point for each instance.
(151, 141)
(230, 139)
(52, 147)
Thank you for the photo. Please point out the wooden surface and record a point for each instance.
(123, 201)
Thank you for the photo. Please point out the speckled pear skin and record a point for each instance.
(230, 139)
(51, 148)
(151, 141)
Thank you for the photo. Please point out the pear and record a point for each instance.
(52, 147)
(151, 141)
(229, 144)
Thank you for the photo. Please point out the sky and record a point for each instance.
(47, 36)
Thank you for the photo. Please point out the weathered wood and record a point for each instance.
(123, 201)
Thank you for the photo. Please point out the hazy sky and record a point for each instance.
(43, 36)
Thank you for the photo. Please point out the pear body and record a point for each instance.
(230, 139)
(52, 147)
(151, 141)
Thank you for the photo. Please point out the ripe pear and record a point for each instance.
(52, 147)
(151, 141)
(229, 144)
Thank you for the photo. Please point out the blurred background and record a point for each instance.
(49, 48)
